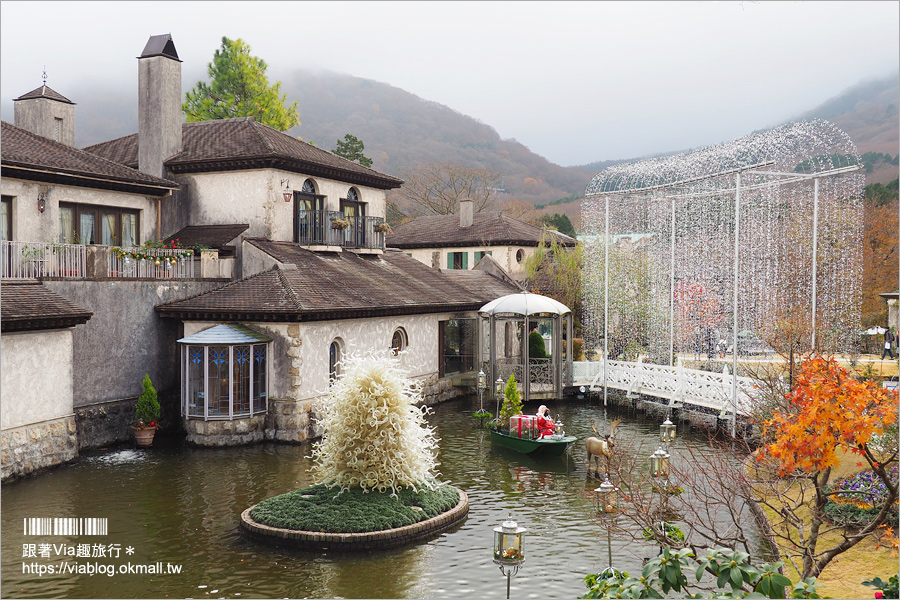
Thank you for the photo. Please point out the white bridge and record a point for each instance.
(680, 386)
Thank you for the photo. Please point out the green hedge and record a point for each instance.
(318, 508)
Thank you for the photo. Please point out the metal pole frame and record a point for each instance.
(815, 265)
(734, 354)
(672, 290)
(605, 301)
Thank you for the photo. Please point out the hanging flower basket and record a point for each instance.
(383, 228)
(340, 224)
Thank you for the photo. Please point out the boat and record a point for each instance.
(553, 445)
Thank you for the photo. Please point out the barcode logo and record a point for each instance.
(66, 526)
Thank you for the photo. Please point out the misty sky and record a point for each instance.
(575, 82)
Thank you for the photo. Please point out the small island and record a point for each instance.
(375, 470)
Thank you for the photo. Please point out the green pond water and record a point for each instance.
(177, 508)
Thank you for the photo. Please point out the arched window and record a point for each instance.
(335, 354)
(224, 373)
(520, 255)
(399, 341)
(352, 195)
(309, 187)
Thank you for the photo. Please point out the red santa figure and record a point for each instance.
(545, 424)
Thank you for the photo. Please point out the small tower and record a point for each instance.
(46, 113)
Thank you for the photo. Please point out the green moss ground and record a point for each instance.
(318, 508)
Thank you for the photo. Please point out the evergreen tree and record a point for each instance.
(512, 404)
(352, 148)
(239, 87)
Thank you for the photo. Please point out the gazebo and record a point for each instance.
(505, 327)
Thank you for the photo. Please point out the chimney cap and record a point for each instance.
(160, 45)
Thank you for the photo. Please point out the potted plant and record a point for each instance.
(340, 224)
(147, 412)
(383, 227)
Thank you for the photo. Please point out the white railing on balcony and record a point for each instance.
(165, 263)
(34, 260)
(30, 260)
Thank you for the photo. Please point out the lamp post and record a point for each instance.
(509, 549)
(607, 497)
(498, 391)
(482, 383)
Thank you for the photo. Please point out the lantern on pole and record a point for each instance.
(481, 384)
(509, 549)
(667, 432)
(607, 498)
(498, 392)
(659, 463)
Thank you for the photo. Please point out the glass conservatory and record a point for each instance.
(224, 373)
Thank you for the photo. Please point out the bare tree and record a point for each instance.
(438, 187)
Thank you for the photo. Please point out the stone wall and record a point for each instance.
(105, 423)
(226, 433)
(29, 448)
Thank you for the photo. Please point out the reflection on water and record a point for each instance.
(180, 506)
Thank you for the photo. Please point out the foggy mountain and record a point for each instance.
(401, 130)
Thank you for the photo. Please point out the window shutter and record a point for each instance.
(450, 260)
(465, 260)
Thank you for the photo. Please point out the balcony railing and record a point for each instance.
(166, 263)
(317, 228)
(32, 260)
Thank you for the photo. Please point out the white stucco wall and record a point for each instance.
(504, 255)
(255, 197)
(30, 225)
(310, 356)
(35, 377)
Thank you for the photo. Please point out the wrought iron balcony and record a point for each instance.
(332, 228)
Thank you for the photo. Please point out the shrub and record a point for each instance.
(147, 409)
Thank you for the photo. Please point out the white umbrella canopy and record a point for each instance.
(877, 330)
(526, 304)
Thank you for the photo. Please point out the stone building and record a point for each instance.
(292, 269)
(461, 241)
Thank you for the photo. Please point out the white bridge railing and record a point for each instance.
(678, 385)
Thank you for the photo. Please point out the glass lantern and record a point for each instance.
(607, 497)
(659, 463)
(508, 543)
(482, 380)
(498, 387)
(667, 432)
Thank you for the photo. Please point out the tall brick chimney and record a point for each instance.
(159, 105)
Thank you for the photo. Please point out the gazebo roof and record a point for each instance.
(525, 304)
(225, 334)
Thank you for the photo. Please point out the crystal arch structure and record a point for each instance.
(755, 243)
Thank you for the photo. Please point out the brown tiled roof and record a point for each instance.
(28, 305)
(211, 236)
(326, 285)
(487, 229)
(44, 92)
(244, 143)
(30, 156)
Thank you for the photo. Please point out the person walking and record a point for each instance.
(889, 338)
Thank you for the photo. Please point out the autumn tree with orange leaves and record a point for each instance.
(830, 412)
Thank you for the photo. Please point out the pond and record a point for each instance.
(178, 508)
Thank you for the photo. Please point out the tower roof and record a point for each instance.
(44, 92)
(160, 45)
